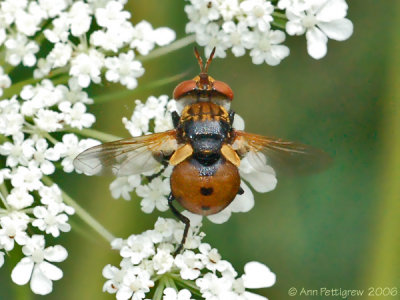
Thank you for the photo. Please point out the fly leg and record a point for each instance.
(183, 219)
(231, 117)
(241, 191)
(175, 118)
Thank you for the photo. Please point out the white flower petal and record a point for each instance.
(252, 296)
(50, 271)
(244, 202)
(220, 217)
(40, 284)
(22, 271)
(55, 253)
(316, 43)
(294, 28)
(238, 122)
(332, 10)
(163, 36)
(339, 30)
(257, 275)
(262, 182)
(124, 293)
(194, 218)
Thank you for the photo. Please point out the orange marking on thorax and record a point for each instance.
(204, 111)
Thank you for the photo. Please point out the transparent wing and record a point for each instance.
(128, 156)
(289, 158)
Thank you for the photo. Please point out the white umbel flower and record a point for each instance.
(268, 49)
(51, 219)
(189, 264)
(112, 15)
(19, 198)
(20, 49)
(144, 37)
(48, 120)
(35, 265)
(124, 69)
(44, 156)
(60, 55)
(27, 177)
(137, 248)
(154, 195)
(79, 18)
(134, 285)
(215, 278)
(19, 152)
(163, 261)
(123, 186)
(258, 13)
(76, 116)
(28, 22)
(320, 20)
(13, 230)
(86, 67)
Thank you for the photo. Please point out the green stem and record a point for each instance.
(49, 137)
(92, 133)
(16, 87)
(382, 264)
(186, 284)
(4, 194)
(279, 23)
(3, 139)
(124, 93)
(171, 283)
(7, 68)
(159, 290)
(83, 214)
(178, 44)
(279, 15)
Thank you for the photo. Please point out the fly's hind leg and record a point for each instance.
(183, 219)
(241, 191)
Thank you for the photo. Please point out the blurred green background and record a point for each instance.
(337, 229)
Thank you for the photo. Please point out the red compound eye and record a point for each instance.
(223, 89)
(183, 88)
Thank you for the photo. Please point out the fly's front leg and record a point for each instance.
(231, 117)
(175, 118)
(183, 219)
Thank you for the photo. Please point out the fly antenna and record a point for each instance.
(209, 60)
(199, 60)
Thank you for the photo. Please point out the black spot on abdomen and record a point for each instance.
(206, 191)
(205, 207)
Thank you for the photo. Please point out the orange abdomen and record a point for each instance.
(205, 190)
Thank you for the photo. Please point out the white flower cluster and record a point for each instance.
(252, 25)
(86, 40)
(76, 48)
(148, 265)
(32, 204)
(155, 116)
